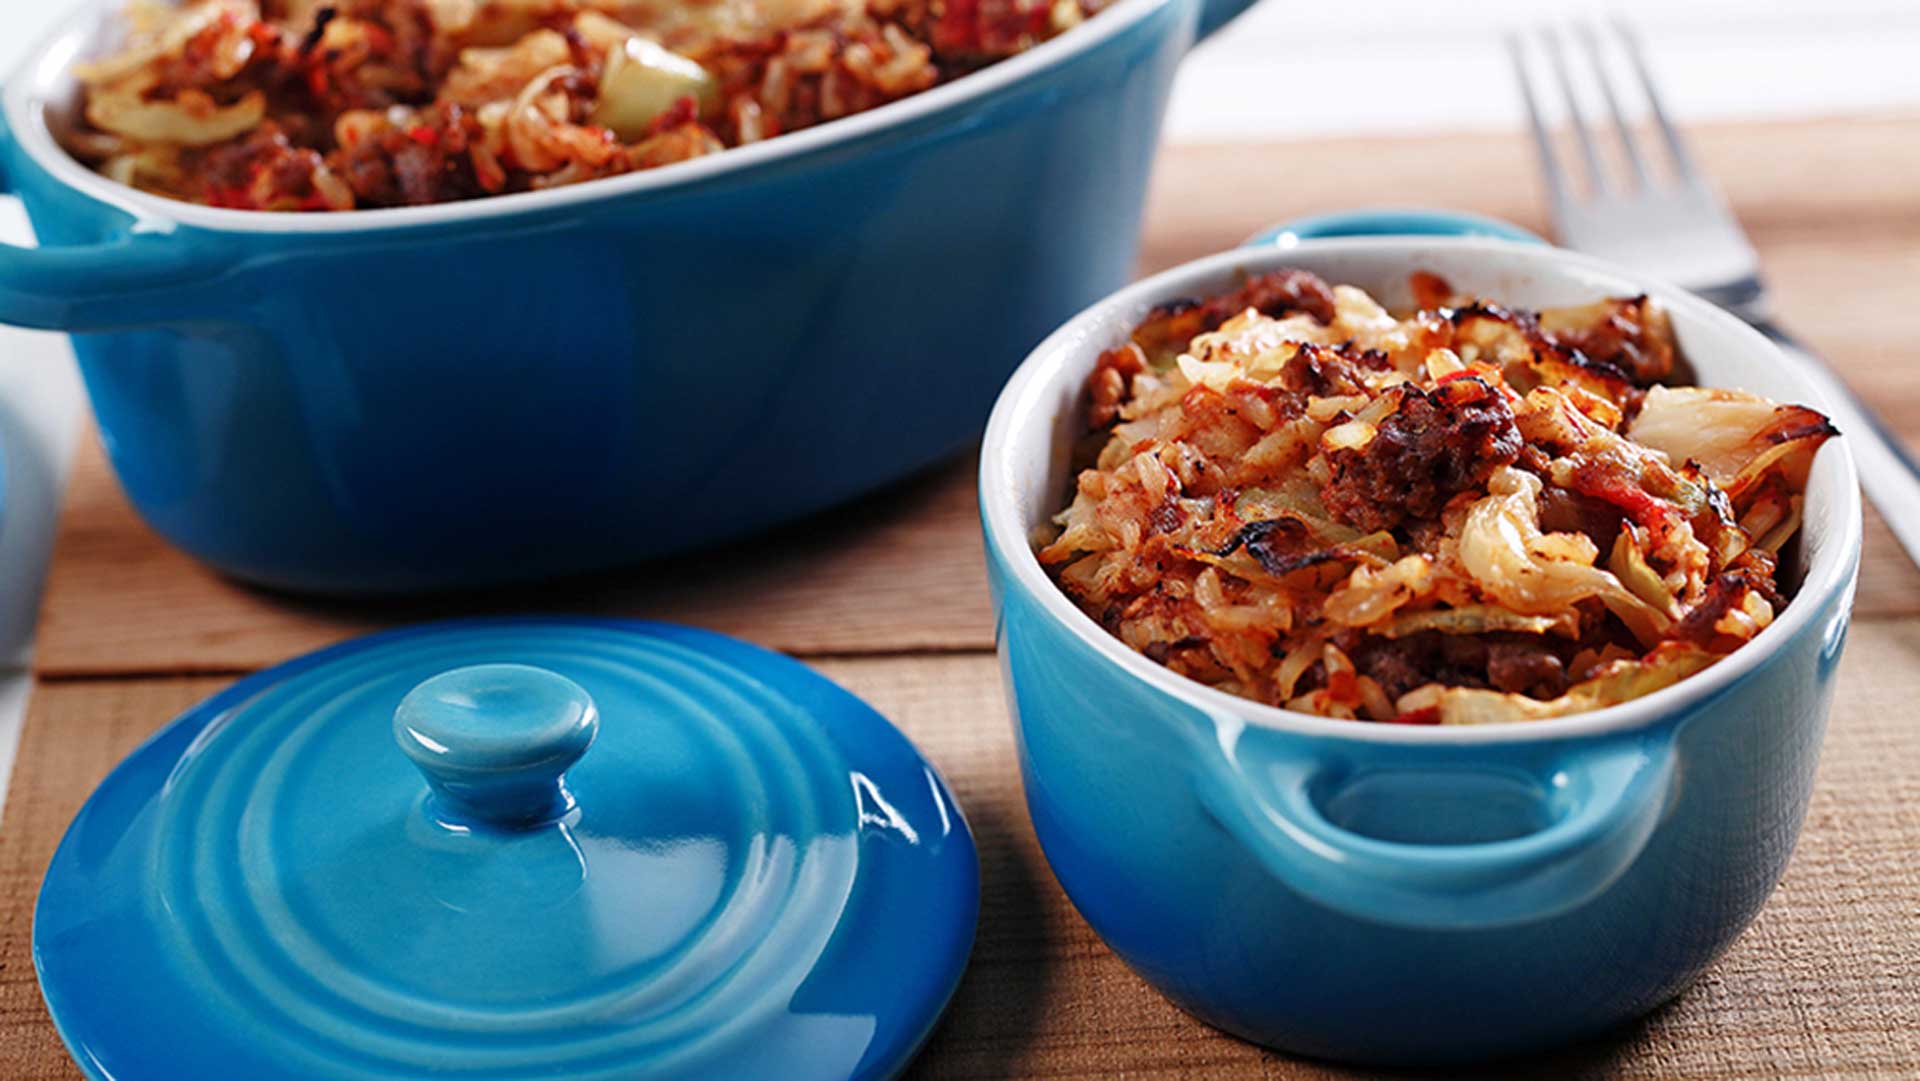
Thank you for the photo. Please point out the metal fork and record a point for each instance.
(1672, 224)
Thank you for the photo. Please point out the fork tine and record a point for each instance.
(1542, 141)
(1628, 143)
(1676, 146)
(1596, 180)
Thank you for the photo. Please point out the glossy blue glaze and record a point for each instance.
(750, 874)
(494, 741)
(1391, 221)
(1178, 834)
(541, 384)
(1382, 893)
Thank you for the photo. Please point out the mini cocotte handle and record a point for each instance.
(135, 278)
(1598, 804)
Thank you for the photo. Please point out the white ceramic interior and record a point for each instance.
(1024, 461)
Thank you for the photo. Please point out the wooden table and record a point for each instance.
(889, 598)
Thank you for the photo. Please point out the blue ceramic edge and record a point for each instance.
(1215, 14)
(881, 882)
(1389, 221)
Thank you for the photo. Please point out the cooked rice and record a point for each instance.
(339, 104)
(1468, 514)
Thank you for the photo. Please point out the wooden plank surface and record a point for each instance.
(1824, 180)
(898, 572)
(1823, 985)
(1834, 207)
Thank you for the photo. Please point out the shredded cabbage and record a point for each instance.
(1532, 573)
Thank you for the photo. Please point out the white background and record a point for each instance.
(1288, 69)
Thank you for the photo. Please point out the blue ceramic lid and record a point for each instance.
(552, 848)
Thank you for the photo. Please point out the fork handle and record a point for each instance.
(1889, 473)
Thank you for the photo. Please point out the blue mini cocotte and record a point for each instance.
(1396, 893)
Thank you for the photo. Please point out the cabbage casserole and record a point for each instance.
(345, 104)
(1467, 515)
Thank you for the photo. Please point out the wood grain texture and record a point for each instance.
(1834, 207)
(1824, 985)
(72, 737)
(898, 572)
(1830, 181)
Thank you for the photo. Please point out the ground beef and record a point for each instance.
(1282, 292)
(1321, 371)
(1517, 664)
(1395, 664)
(1401, 664)
(398, 170)
(1565, 511)
(1528, 668)
(1435, 444)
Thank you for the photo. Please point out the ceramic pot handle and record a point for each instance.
(1599, 806)
(137, 278)
(1393, 221)
(126, 282)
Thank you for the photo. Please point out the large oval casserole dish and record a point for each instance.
(428, 398)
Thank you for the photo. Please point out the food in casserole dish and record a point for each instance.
(340, 104)
(1467, 514)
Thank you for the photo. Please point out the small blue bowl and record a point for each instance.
(430, 398)
(1389, 893)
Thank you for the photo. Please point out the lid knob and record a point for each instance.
(494, 739)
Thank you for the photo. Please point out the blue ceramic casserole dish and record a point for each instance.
(1390, 893)
(535, 384)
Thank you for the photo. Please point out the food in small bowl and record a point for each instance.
(338, 104)
(1463, 514)
(1413, 893)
